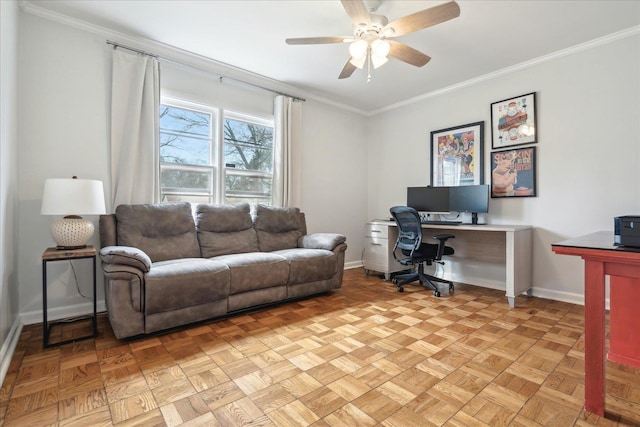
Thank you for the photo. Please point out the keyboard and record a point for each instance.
(441, 222)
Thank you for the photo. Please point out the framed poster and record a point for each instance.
(513, 121)
(456, 155)
(513, 173)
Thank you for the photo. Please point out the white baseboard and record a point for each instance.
(353, 264)
(9, 347)
(57, 313)
(558, 295)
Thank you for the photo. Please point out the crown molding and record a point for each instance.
(630, 32)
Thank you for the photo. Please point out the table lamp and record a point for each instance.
(71, 198)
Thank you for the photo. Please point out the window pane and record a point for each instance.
(247, 186)
(176, 148)
(248, 146)
(234, 200)
(185, 180)
(184, 121)
(185, 136)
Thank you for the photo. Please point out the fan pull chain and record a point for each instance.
(368, 64)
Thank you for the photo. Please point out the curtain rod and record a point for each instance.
(295, 98)
(114, 44)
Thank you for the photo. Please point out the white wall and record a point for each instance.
(334, 174)
(9, 324)
(64, 131)
(588, 150)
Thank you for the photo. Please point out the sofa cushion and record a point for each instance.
(225, 229)
(255, 270)
(277, 228)
(309, 265)
(186, 282)
(163, 231)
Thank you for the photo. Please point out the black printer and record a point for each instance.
(627, 230)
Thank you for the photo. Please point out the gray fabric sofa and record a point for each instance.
(163, 268)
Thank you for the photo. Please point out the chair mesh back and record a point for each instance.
(409, 227)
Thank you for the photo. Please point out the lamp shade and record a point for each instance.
(72, 197)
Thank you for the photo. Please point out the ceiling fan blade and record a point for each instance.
(357, 11)
(348, 69)
(317, 40)
(423, 19)
(407, 54)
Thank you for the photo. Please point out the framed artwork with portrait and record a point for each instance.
(457, 155)
(513, 121)
(513, 173)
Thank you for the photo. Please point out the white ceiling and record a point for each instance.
(487, 37)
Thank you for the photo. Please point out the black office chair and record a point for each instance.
(418, 253)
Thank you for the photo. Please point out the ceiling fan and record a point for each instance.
(370, 42)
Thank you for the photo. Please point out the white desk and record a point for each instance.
(492, 256)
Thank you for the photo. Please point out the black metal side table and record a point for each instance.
(51, 255)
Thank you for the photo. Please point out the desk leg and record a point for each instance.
(594, 328)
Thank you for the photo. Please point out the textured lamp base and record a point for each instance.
(71, 232)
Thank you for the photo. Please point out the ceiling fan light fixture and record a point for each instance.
(358, 62)
(378, 61)
(358, 49)
(380, 48)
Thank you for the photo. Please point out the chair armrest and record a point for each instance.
(126, 255)
(444, 237)
(327, 241)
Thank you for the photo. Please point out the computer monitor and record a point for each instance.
(469, 198)
(428, 199)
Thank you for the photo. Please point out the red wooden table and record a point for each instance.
(622, 265)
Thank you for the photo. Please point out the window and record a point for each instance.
(187, 154)
(248, 160)
(198, 166)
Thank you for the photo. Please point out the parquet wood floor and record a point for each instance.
(362, 356)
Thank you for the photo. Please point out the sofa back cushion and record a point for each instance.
(278, 228)
(225, 229)
(163, 231)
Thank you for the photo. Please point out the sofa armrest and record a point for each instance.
(327, 241)
(126, 255)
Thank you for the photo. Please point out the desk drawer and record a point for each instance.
(377, 230)
(376, 254)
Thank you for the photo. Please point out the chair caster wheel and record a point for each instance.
(450, 288)
(400, 289)
(394, 281)
(436, 294)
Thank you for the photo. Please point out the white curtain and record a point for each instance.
(135, 106)
(287, 152)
